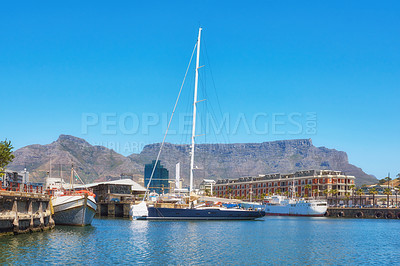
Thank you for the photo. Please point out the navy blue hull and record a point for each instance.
(201, 214)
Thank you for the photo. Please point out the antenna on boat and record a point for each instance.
(194, 111)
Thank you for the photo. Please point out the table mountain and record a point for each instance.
(251, 159)
(212, 160)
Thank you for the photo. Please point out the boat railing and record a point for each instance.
(171, 205)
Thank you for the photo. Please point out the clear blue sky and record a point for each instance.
(62, 63)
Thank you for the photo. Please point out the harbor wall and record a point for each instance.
(22, 212)
(362, 213)
(113, 209)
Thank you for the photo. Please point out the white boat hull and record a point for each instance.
(74, 210)
(281, 206)
(299, 210)
(138, 211)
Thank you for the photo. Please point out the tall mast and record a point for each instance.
(194, 111)
(72, 178)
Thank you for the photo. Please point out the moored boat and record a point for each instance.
(74, 209)
(205, 213)
(69, 206)
(184, 212)
(282, 206)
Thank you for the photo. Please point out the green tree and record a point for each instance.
(388, 179)
(326, 192)
(387, 192)
(347, 197)
(307, 187)
(6, 155)
(352, 187)
(360, 192)
(335, 192)
(316, 192)
(278, 191)
(229, 191)
(373, 192)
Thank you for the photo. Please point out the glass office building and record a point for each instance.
(159, 183)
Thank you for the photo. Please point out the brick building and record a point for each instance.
(311, 182)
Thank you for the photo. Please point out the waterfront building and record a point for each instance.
(117, 190)
(16, 180)
(379, 188)
(114, 198)
(312, 183)
(207, 186)
(160, 180)
(9, 177)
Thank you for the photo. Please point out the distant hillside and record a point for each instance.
(212, 160)
(91, 162)
(246, 159)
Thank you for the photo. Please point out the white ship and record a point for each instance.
(282, 206)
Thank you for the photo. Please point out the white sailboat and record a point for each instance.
(141, 211)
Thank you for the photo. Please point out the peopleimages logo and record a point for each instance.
(294, 123)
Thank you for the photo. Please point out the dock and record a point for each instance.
(113, 209)
(23, 212)
(363, 213)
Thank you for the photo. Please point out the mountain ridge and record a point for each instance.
(212, 160)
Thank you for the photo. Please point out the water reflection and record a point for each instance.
(277, 240)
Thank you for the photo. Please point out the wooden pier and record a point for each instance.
(22, 212)
(363, 213)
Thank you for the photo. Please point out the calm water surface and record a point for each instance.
(276, 240)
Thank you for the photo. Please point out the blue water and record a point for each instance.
(276, 240)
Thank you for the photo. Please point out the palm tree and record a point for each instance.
(352, 187)
(278, 191)
(373, 192)
(229, 191)
(360, 192)
(326, 192)
(388, 181)
(263, 196)
(307, 187)
(315, 193)
(347, 197)
(387, 192)
(335, 192)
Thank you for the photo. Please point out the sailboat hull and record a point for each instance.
(74, 210)
(201, 214)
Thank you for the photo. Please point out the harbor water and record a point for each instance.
(274, 240)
